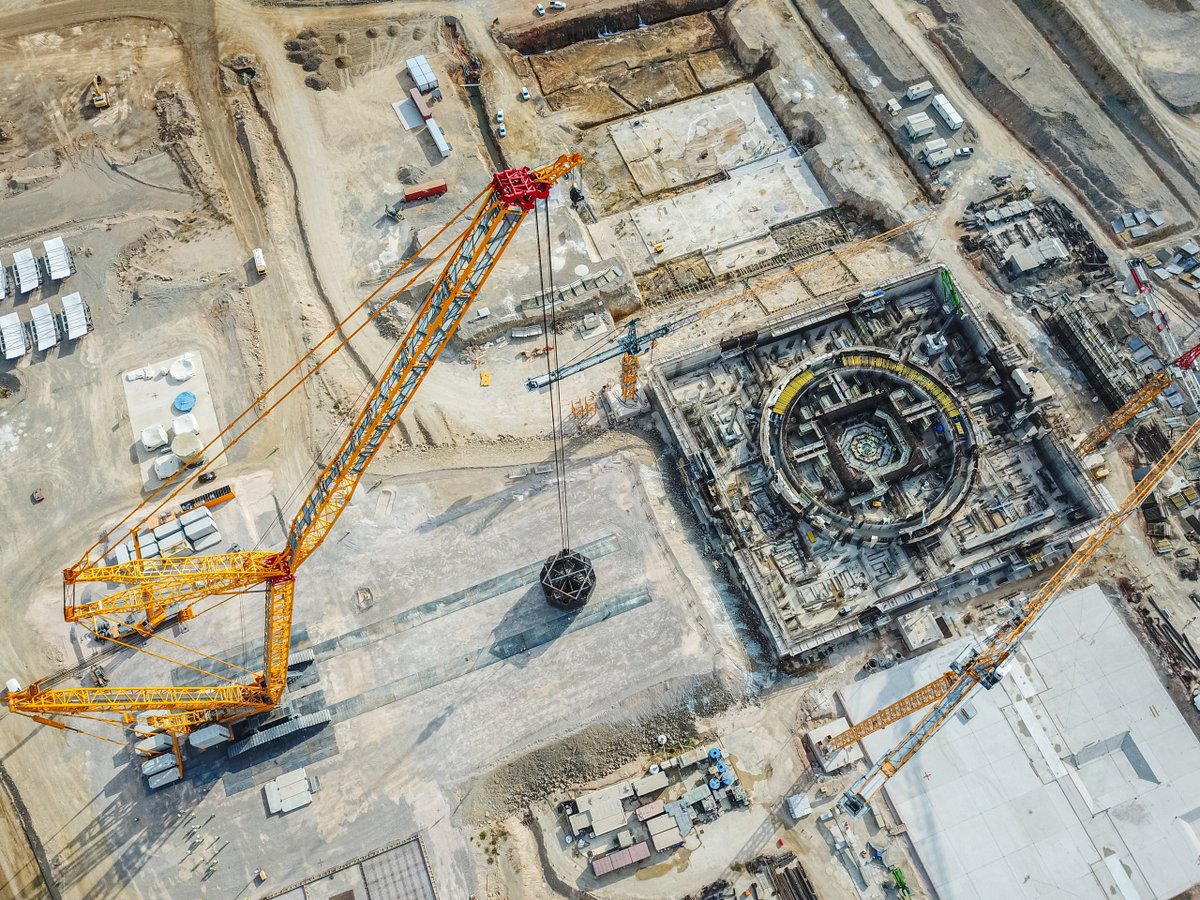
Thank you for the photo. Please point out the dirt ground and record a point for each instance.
(236, 125)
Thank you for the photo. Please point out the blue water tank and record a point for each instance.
(721, 767)
(715, 753)
(727, 779)
(185, 401)
(714, 784)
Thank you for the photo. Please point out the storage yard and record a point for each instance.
(784, 487)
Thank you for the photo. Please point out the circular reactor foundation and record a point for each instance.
(869, 446)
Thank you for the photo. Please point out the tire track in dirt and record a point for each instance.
(31, 835)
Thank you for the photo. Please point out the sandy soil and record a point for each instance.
(163, 197)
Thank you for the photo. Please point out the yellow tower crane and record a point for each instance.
(1143, 397)
(981, 665)
(632, 343)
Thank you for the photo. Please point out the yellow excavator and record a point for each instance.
(99, 95)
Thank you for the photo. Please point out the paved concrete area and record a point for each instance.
(454, 664)
(715, 219)
(150, 392)
(696, 139)
(1076, 777)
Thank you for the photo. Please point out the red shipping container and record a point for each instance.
(424, 190)
(419, 102)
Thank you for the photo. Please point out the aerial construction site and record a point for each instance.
(668, 451)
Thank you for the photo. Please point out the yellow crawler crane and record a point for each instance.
(165, 589)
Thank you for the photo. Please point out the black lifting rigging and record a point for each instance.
(568, 578)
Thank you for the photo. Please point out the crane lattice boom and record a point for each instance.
(160, 588)
(981, 666)
(1143, 397)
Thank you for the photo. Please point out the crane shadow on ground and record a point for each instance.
(529, 628)
(134, 827)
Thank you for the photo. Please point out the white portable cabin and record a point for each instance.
(13, 337)
(421, 73)
(58, 259)
(76, 317)
(933, 146)
(919, 91)
(439, 138)
(948, 113)
(938, 158)
(3, 282)
(919, 126)
(28, 275)
(44, 327)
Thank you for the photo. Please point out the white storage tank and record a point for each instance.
(209, 540)
(195, 515)
(193, 531)
(163, 532)
(155, 743)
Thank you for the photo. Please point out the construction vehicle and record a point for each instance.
(537, 352)
(1145, 395)
(900, 883)
(630, 345)
(159, 590)
(981, 665)
(99, 95)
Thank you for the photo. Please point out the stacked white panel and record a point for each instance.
(58, 259)
(76, 317)
(26, 269)
(45, 329)
(13, 337)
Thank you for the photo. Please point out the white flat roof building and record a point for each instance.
(1076, 776)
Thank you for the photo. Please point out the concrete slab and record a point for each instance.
(729, 219)
(690, 141)
(1064, 783)
(150, 392)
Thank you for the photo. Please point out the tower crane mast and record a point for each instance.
(981, 666)
(158, 588)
